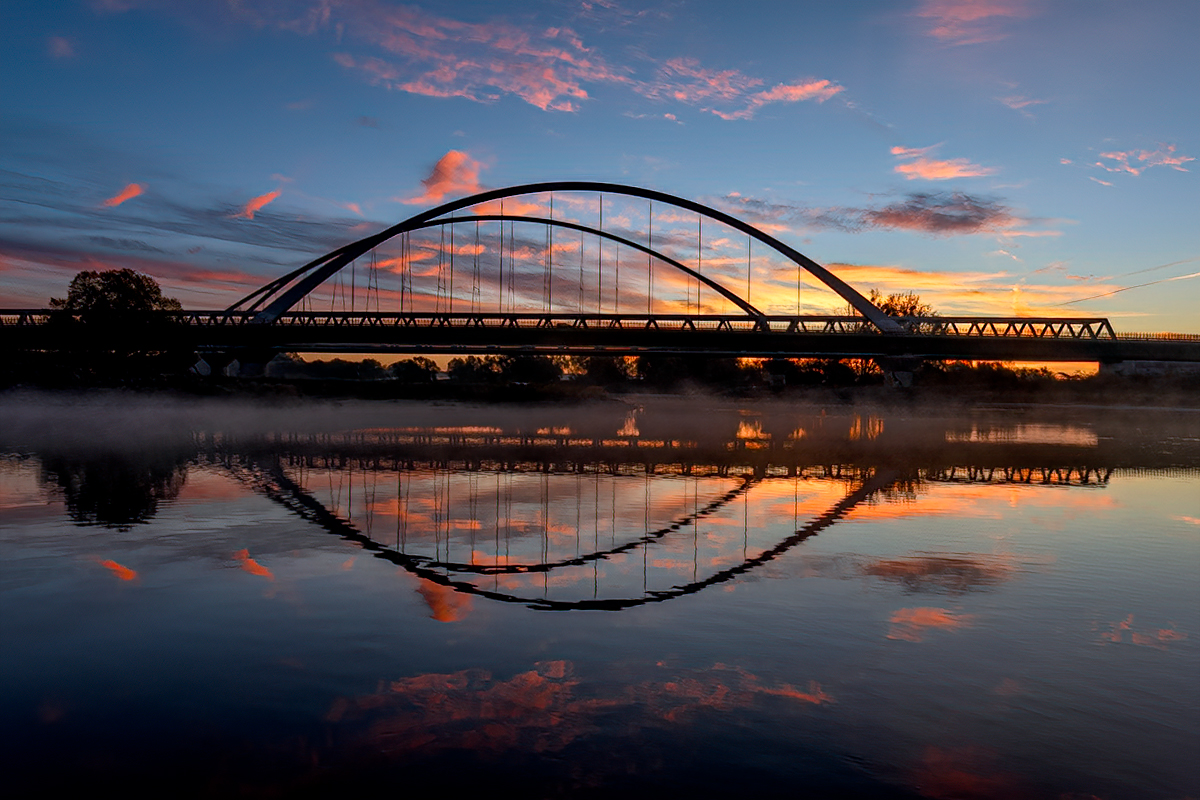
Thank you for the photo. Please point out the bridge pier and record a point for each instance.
(898, 371)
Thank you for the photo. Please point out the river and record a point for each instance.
(655, 597)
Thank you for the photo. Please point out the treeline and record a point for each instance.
(660, 373)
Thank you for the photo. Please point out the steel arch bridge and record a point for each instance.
(276, 298)
(281, 316)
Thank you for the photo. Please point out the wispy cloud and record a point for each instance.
(943, 214)
(936, 213)
(1135, 162)
(256, 204)
(819, 90)
(1020, 103)
(548, 67)
(60, 47)
(437, 56)
(128, 193)
(454, 173)
(959, 22)
(916, 164)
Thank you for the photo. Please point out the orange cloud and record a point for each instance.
(971, 21)
(120, 570)
(1164, 156)
(252, 566)
(932, 169)
(128, 193)
(256, 204)
(454, 173)
(910, 624)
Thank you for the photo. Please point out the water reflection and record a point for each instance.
(865, 602)
(115, 489)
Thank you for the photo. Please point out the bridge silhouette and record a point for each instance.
(501, 307)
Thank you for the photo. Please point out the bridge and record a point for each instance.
(533, 294)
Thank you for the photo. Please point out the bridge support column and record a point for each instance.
(212, 364)
(899, 370)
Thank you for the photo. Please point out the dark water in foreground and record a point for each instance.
(682, 599)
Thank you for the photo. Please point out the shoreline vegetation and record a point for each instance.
(569, 380)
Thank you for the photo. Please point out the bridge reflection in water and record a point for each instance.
(559, 519)
(952, 605)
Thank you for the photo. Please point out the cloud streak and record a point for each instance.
(256, 204)
(934, 213)
(128, 193)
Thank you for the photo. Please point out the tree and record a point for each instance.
(473, 369)
(902, 305)
(114, 290)
(415, 370)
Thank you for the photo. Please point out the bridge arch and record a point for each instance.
(280, 295)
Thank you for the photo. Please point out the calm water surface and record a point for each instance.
(221, 598)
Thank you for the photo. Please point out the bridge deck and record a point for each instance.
(466, 331)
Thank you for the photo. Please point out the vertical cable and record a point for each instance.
(475, 273)
(650, 265)
(749, 241)
(600, 264)
(699, 256)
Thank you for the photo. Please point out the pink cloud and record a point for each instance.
(913, 152)
(60, 47)
(919, 165)
(684, 80)
(551, 68)
(819, 90)
(971, 21)
(443, 57)
(257, 204)
(454, 173)
(1164, 156)
(938, 170)
(128, 193)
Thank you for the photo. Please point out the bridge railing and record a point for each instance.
(1072, 328)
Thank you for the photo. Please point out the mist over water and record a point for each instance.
(656, 598)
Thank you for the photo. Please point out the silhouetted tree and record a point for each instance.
(536, 370)
(415, 370)
(604, 370)
(473, 369)
(907, 304)
(114, 290)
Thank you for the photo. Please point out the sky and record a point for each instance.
(1006, 157)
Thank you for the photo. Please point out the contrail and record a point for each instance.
(1127, 288)
(1151, 269)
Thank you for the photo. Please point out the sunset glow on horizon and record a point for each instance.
(1014, 157)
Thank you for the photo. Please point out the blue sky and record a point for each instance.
(996, 156)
